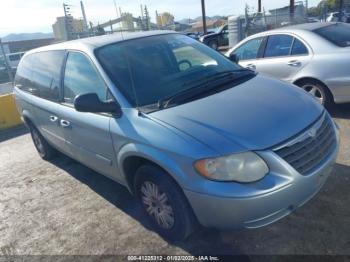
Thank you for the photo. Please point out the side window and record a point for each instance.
(23, 79)
(81, 78)
(299, 48)
(47, 73)
(249, 50)
(278, 45)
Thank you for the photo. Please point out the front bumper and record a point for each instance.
(282, 191)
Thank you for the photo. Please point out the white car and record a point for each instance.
(314, 56)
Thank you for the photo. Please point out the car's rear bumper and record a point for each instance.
(262, 208)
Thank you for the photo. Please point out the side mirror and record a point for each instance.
(234, 58)
(92, 104)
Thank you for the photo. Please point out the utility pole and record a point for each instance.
(86, 27)
(147, 19)
(259, 6)
(341, 6)
(66, 17)
(204, 17)
(291, 10)
(8, 68)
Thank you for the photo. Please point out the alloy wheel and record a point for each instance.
(315, 91)
(157, 205)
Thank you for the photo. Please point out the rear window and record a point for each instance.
(338, 34)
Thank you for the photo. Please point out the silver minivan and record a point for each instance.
(195, 137)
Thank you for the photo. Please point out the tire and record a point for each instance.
(178, 219)
(318, 90)
(213, 44)
(46, 151)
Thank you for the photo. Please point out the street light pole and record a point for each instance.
(8, 68)
(204, 18)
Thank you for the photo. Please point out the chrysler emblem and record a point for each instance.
(312, 132)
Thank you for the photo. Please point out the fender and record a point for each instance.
(153, 155)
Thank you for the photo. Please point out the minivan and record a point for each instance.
(196, 138)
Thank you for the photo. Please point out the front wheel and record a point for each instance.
(164, 203)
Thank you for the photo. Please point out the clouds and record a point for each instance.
(19, 16)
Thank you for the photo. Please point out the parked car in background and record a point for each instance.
(314, 56)
(216, 39)
(194, 35)
(192, 135)
(338, 17)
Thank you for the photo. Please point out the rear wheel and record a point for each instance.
(45, 150)
(164, 203)
(318, 90)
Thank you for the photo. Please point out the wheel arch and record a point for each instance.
(131, 157)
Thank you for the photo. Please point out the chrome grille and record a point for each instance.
(307, 151)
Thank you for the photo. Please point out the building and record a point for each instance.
(164, 19)
(67, 28)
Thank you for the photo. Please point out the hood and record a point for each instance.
(255, 115)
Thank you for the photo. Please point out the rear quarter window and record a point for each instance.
(40, 74)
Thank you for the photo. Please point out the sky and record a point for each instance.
(29, 16)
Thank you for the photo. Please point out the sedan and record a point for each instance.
(315, 57)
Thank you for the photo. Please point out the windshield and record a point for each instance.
(150, 69)
(338, 34)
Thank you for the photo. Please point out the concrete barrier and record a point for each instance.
(9, 115)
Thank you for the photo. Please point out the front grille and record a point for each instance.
(307, 151)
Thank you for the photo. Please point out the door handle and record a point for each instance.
(251, 66)
(294, 63)
(65, 123)
(53, 118)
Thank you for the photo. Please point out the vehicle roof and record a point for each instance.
(308, 27)
(92, 43)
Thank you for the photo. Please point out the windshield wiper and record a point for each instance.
(209, 84)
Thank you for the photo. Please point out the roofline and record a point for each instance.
(92, 43)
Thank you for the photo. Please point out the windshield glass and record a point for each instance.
(149, 69)
(338, 34)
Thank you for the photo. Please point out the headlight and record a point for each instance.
(244, 167)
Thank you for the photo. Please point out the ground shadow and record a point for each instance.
(13, 132)
(204, 241)
(340, 111)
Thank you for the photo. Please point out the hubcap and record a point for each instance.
(157, 205)
(315, 91)
(37, 141)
